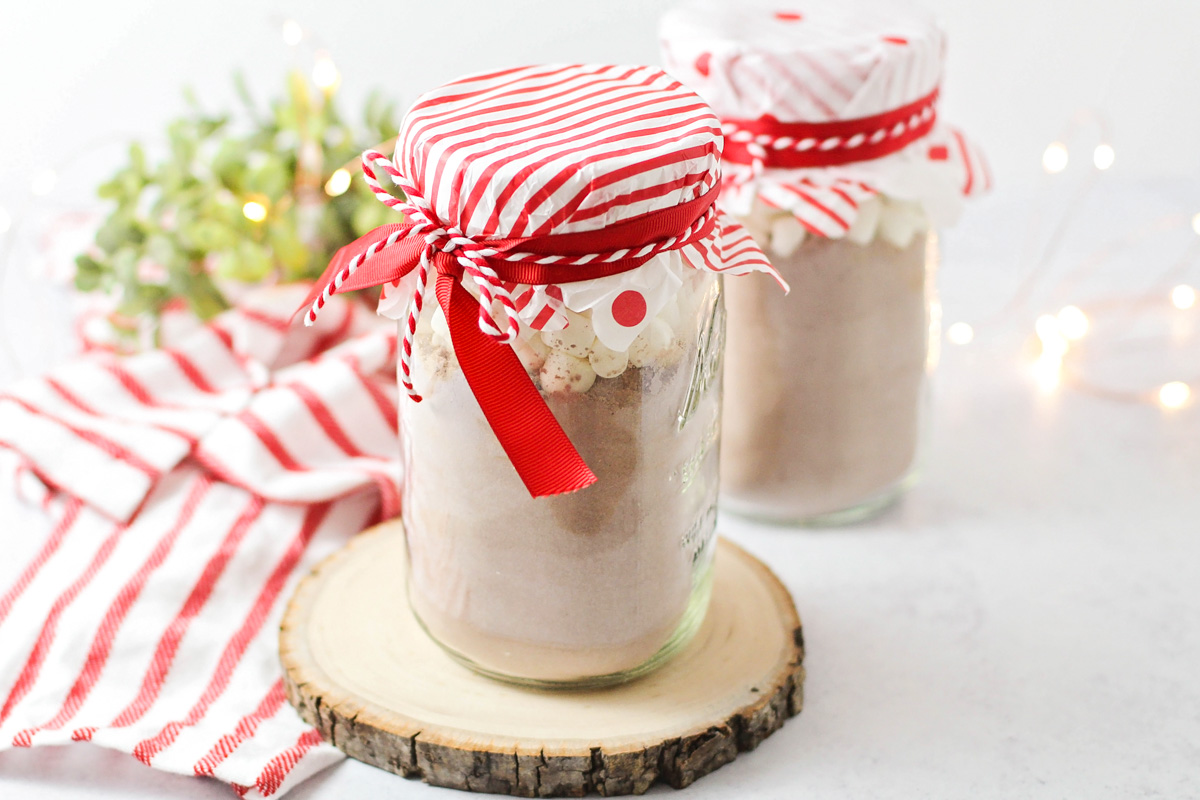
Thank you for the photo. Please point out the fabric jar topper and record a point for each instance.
(544, 187)
(825, 104)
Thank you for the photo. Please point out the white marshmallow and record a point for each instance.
(901, 221)
(563, 372)
(530, 357)
(787, 234)
(651, 343)
(607, 363)
(862, 231)
(575, 339)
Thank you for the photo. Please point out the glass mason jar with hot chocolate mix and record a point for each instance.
(837, 163)
(558, 281)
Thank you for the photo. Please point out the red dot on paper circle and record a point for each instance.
(788, 16)
(939, 152)
(702, 63)
(895, 39)
(629, 308)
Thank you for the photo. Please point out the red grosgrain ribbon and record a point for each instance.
(535, 443)
(767, 142)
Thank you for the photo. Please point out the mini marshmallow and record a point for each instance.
(530, 358)
(563, 372)
(787, 234)
(862, 231)
(575, 339)
(901, 221)
(651, 343)
(606, 362)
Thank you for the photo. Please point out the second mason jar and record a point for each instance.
(837, 163)
(558, 281)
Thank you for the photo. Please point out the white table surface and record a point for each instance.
(1025, 624)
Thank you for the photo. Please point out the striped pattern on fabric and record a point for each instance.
(186, 491)
(545, 150)
(825, 61)
(834, 60)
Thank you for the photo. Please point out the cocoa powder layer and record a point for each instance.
(573, 586)
(824, 386)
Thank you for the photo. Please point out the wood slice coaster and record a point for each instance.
(359, 668)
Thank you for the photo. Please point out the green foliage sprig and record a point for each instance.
(181, 228)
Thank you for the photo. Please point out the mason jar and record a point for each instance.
(838, 164)
(593, 586)
(558, 278)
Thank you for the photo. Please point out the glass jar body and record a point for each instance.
(587, 588)
(826, 405)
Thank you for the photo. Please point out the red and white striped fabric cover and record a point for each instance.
(544, 150)
(821, 61)
(186, 490)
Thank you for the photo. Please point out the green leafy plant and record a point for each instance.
(267, 198)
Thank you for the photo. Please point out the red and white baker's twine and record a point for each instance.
(758, 144)
(493, 295)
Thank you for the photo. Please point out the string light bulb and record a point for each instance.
(254, 211)
(1183, 297)
(293, 34)
(1072, 323)
(1055, 158)
(1103, 156)
(1196, 224)
(1174, 394)
(338, 183)
(1048, 367)
(325, 73)
(960, 333)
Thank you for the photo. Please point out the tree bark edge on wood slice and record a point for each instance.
(327, 686)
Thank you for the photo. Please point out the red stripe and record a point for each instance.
(966, 159)
(416, 131)
(45, 638)
(325, 419)
(274, 323)
(649, 193)
(274, 773)
(236, 647)
(102, 644)
(131, 385)
(168, 644)
(389, 493)
(675, 129)
(842, 193)
(573, 122)
(83, 734)
(803, 88)
(382, 400)
(108, 446)
(271, 702)
(191, 371)
(545, 122)
(568, 209)
(812, 201)
(778, 99)
(544, 316)
(70, 514)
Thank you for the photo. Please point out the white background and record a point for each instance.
(74, 74)
(1027, 623)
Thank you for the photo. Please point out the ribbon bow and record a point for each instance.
(532, 438)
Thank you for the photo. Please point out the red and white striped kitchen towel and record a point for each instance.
(188, 489)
